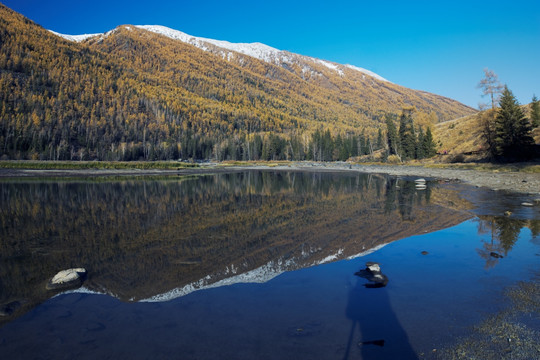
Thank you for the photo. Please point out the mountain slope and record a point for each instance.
(133, 93)
(348, 81)
(256, 50)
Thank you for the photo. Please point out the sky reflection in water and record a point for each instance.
(307, 311)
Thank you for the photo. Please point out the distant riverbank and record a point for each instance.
(496, 179)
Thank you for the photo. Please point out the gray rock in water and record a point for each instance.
(67, 279)
(373, 273)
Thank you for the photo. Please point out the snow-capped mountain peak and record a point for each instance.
(75, 38)
(256, 50)
(227, 49)
(367, 72)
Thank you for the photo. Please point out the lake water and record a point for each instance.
(258, 265)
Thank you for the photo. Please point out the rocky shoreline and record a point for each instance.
(520, 182)
(527, 183)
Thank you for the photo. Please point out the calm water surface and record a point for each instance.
(255, 265)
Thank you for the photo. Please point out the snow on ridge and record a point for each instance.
(329, 65)
(256, 50)
(367, 252)
(330, 258)
(75, 38)
(367, 72)
(259, 275)
(82, 290)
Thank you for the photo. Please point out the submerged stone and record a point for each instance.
(9, 308)
(373, 342)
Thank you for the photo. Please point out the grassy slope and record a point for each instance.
(464, 135)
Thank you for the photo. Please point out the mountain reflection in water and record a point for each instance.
(157, 239)
(154, 239)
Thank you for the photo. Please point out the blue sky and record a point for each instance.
(436, 46)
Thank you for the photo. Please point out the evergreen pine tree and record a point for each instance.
(420, 150)
(429, 144)
(364, 147)
(392, 136)
(379, 144)
(341, 149)
(354, 145)
(512, 129)
(406, 137)
(328, 146)
(535, 112)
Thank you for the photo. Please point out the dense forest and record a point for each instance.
(136, 95)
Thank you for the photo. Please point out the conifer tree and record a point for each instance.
(420, 150)
(535, 112)
(429, 144)
(392, 135)
(354, 145)
(512, 129)
(407, 137)
(379, 140)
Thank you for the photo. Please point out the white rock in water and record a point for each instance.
(67, 277)
(420, 187)
(420, 181)
(374, 267)
(527, 204)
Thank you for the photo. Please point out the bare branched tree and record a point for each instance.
(491, 86)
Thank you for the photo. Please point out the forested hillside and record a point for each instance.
(134, 94)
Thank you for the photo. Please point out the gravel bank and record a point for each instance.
(525, 183)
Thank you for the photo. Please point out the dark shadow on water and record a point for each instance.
(375, 329)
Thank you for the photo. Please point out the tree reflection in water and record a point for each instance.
(503, 232)
(142, 237)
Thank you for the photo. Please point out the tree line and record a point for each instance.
(408, 141)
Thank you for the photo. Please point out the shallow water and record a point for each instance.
(255, 265)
